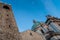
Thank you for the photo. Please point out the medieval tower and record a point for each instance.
(7, 21)
(8, 27)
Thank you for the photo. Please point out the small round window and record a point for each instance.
(6, 7)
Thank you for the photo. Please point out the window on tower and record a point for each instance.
(7, 15)
(30, 33)
(9, 26)
(6, 7)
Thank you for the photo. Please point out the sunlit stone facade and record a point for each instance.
(50, 29)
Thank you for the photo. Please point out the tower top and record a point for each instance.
(6, 17)
(5, 6)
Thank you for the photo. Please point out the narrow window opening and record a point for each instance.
(9, 26)
(7, 15)
(30, 33)
(42, 31)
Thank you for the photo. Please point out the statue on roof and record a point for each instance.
(36, 23)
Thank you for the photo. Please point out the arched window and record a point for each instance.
(30, 33)
(42, 31)
(9, 26)
(6, 7)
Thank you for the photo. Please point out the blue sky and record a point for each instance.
(27, 10)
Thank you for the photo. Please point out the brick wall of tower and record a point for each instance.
(7, 20)
(8, 27)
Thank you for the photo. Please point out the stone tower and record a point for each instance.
(8, 27)
(7, 21)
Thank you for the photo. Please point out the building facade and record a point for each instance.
(50, 29)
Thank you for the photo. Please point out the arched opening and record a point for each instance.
(9, 26)
(42, 31)
(6, 7)
(30, 33)
(7, 15)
